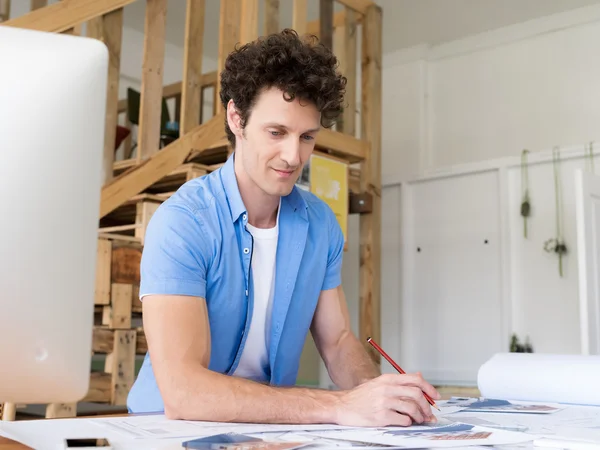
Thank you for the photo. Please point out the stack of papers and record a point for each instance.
(461, 423)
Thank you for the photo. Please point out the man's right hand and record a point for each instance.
(390, 399)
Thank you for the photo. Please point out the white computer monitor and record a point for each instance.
(52, 116)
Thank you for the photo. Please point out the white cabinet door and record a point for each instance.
(452, 311)
(587, 200)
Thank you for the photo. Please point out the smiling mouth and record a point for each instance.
(284, 173)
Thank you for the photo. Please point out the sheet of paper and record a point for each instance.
(159, 427)
(542, 378)
(504, 406)
(430, 436)
(51, 434)
(570, 422)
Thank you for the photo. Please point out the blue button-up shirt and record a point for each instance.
(197, 244)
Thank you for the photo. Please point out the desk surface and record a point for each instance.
(7, 444)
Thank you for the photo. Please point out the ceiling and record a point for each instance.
(406, 22)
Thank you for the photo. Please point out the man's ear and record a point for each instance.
(234, 119)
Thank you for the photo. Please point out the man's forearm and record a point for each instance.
(349, 364)
(196, 393)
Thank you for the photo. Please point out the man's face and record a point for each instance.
(278, 139)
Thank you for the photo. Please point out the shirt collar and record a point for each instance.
(236, 205)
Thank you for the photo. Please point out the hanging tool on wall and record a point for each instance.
(557, 245)
(525, 201)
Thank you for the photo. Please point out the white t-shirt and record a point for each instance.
(254, 362)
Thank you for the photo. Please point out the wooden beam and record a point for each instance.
(152, 79)
(271, 16)
(61, 16)
(4, 10)
(249, 23)
(191, 95)
(313, 27)
(347, 54)
(123, 366)
(144, 175)
(109, 29)
(326, 23)
(360, 6)
(229, 28)
(370, 181)
(347, 146)
(299, 16)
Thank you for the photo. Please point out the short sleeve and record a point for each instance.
(333, 274)
(175, 255)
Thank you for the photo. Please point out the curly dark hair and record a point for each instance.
(300, 66)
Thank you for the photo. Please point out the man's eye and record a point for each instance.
(307, 137)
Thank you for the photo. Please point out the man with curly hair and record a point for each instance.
(240, 264)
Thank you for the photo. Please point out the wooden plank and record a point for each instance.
(271, 17)
(313, 27)
(345, 48)
(104, 338)
(360, 6)
(111, 31)
(100, 388)
(136, 303)
(326, 23)
(145, 211)
(118, 237)
(119, 312)
(299, 16)
(94, 28)
(9, 412)
(349, 147)
(126, 262)
(152, 79)
(142, 176)
(123, 366)
(191, 100)
(61, 16)
(4, 10)
(61, 410)
(229, 28)
(103, 271)
(370, 181)
(249, 23)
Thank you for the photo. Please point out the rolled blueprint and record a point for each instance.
(536, 377)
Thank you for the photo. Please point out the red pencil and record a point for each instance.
(398, 368)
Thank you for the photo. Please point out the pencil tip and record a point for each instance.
(369, 338)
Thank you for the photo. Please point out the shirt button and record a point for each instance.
(246, 292)
(244, 216)
(246, 250)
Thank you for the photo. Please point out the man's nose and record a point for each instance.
(290, 152)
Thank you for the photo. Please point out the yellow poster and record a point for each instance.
(329, 182)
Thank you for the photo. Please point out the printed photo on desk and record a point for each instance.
(503, 406)
(446, 434)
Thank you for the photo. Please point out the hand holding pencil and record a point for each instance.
(397, 367)
(388, 400)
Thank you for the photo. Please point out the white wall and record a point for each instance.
(532, 85)
(457, 117)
